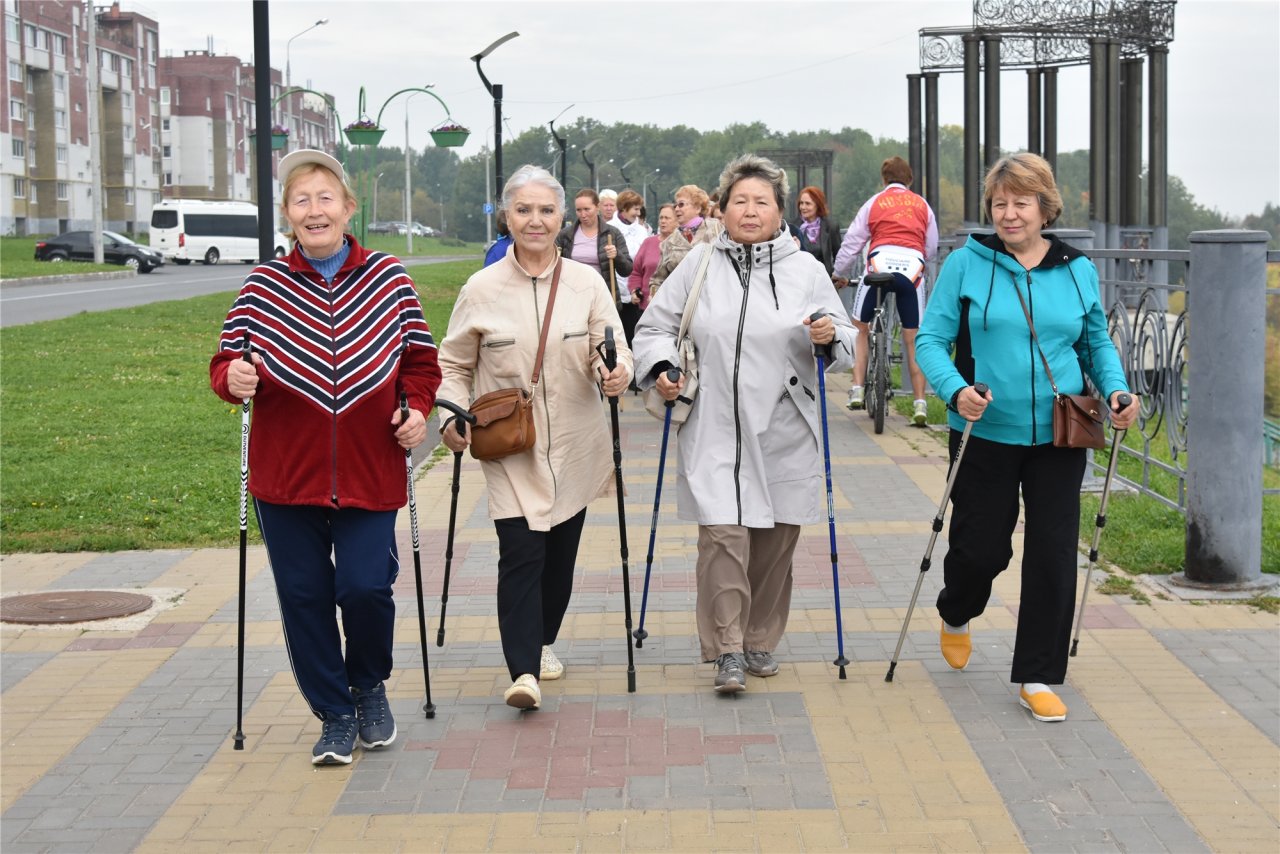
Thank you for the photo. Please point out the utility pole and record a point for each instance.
(95, 132)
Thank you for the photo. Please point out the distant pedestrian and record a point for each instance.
(650, 254)
(750, 470)
(499, 248)
(902, 233)
(977, 311)
(608, 204)
(634, 232)
(326, 457)
(537, 498)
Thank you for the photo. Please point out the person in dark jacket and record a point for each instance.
(326, 456)
(819, 234)
(498, 250)
(977, 308)
(593, 242)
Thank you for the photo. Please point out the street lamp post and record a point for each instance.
(560, 141)
(376, 179)
(644, 193)
(622, 170)
(495, 92)
(591, 163)
(288, 73)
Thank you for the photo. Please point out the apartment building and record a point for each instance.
(170, 126)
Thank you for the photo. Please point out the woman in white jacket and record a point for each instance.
(538, 498)
(750, 467)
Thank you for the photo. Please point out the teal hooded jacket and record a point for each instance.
(974, 313)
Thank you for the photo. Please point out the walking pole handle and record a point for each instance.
(464, 417)
(1123, 400)
(610, 349)
(673, 376)
(245, 352)
(823, 350)
(981, 389)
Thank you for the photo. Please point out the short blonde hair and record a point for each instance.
(1024, 174)
(695, 195)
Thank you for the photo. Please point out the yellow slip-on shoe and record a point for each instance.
(1044, 705)
(955, 648)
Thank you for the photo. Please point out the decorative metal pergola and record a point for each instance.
(1115, 38)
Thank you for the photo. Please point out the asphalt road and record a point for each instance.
(22, 303)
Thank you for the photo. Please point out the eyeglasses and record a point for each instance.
(681, 204)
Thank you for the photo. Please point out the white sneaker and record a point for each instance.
(551, 667)
(523, 693)
(855, 398)
(921, 414)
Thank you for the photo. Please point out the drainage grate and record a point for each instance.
(71, 606)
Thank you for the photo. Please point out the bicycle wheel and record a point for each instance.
(880, 379)
(869, 389)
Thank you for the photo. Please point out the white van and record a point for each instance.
(186, 230)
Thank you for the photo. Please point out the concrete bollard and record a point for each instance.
(1227, 340)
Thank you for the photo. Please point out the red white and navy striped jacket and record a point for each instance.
(334, 361)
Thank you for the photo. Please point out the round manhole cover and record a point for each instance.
(71, 606)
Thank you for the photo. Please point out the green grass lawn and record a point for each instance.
(111, 437)
(17, 261)
(424, 246)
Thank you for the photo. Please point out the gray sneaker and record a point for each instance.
(730, 678)
(377, 726)
(761, 663)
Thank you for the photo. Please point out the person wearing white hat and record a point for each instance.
(337, 335)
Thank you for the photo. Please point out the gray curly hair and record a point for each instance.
(754, 166)
(529, 174)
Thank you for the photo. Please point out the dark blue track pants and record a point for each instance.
(325, 558)
(984, 503)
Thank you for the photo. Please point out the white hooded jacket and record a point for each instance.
(751, 451)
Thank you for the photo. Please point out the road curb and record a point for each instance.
(69, 277)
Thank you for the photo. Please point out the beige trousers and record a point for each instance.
(744, 587)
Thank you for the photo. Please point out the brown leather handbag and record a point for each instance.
(1077, 418)
(504, 418)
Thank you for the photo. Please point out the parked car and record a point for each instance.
(116, 249)
(382, 227)
(420, 230)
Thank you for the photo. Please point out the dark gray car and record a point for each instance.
(116, 249)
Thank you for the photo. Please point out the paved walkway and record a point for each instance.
(118, 738)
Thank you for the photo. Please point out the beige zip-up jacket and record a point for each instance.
(491, 343)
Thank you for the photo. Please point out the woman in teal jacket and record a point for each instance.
(975, 309)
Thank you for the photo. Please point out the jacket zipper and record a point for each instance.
(333, 352)
(537, 324)
(745, 280)
(1031, 310)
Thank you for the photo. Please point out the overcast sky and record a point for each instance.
(708, 63)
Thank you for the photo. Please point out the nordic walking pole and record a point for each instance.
(820, 353)
(428, 708)
(244, 550)
(673, 375)
(613, 279)
(981, 389)
(463, 418)
(609, 351)
(1100, 521)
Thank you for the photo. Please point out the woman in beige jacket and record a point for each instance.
(538, 498)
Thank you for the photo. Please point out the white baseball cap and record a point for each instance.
(304, 157)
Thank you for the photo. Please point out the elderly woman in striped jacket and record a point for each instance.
(337, 335)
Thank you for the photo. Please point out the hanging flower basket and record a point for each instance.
(279, 138)
(450, 135)
(363, 132)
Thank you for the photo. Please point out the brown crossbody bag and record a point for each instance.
(1077, 418)
(504, 418)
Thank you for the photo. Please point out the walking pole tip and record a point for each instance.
(888, 677)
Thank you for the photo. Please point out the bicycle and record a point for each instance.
(879, 334)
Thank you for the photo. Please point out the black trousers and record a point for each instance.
(985, 510)
(535, 581)
(629, 314)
